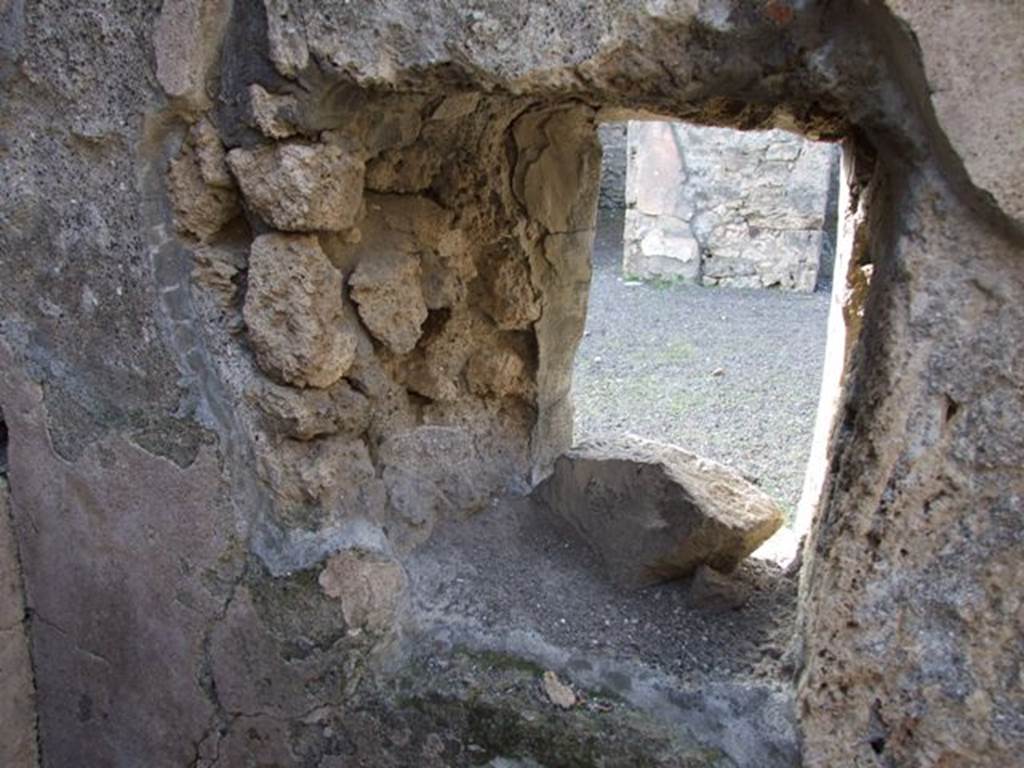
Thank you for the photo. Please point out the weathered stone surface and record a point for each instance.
(210, 155)
(432, 472)
(909, 648)
(654, 511)
(612, 193)
(17, 688)
(288, 48)
(201, 209)
(293, 311)
(719, 207)
(369, 586)
(300, 187)
(333, 472)
(447, 271)
(558, 148)
(309, 413)
(974, 64)
(93, 628)
(666, 250)
(186, 42)
(389, 293)
(501, 371)
(274, 115)
(513, 302)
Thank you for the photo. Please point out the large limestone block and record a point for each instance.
(301, 187)
(664, 251)
(654, 511)
(293, 310)
(389, 293)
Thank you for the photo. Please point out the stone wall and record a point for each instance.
(715, 206)
(17, 694)
(286, 284)
(613, 140)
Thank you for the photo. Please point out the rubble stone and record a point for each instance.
(370, 587)
(201, 209)
(655, 512)
(389, 293)
(300, 187)
(293, 312)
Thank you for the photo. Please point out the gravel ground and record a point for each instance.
(648, 365)
(509, 569)
(727, 373)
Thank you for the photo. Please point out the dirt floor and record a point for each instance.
(710, 662)
(730, 374)
(509, 569)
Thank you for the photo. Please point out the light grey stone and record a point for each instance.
(721, 207)
(654, 511)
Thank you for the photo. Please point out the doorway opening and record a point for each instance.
(708, 307)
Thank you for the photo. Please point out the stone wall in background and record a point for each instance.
(613, 166)
(717, 206)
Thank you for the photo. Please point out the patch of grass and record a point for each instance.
(664, 283)
(676, 351)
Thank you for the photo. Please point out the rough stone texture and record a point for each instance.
(612, 194)
(186, 42)
(389, 293)
(293, 312)
(300, 187)
(656, 512)
(177, 614)
(368, 586)
(718, 207)
(203, 205)
(432, 472)
(972, 57)
(17, 687)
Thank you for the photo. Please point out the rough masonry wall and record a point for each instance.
(613, 166)
(714, 206)
(264, 263)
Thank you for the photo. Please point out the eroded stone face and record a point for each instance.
(370, 588)
(656, 512)
(204, 201)
(974, 67)
(299, 187)
(17, 703)
(293, 312)
(388, 290)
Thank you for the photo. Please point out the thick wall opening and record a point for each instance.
(396, 328)
(733, 374)
(370, 227)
